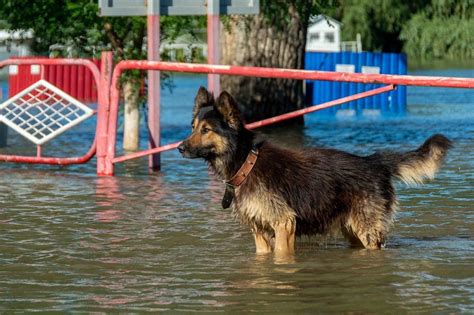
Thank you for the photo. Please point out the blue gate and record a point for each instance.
(318, 92)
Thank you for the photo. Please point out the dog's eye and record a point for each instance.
(205, 130)
(192, 126)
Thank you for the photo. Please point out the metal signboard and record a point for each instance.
(42, 111)
(345, 68)
(175, 7)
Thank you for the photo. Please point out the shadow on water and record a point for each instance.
(141, 242)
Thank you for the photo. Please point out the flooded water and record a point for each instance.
(72, 242)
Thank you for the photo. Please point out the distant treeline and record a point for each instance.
(424, 29)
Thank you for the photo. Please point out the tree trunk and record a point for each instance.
(131, 117)
(277, 41)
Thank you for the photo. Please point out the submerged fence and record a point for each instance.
(33, 110)
(389, 80)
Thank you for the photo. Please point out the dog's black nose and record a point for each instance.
(181, 148)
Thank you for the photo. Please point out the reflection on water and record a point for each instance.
(70, 241)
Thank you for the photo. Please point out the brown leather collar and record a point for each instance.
(244, 170)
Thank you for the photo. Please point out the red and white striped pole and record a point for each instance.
(153, 44)
(213, 53)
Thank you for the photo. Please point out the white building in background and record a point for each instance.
(324, 35)
(184, 48)
(15, 43)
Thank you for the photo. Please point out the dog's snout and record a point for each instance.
(181, 148)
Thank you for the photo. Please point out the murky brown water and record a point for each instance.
(70, 241)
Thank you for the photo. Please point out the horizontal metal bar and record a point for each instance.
(295, 74)
(304, 111)
(50, 160)
(55, 61)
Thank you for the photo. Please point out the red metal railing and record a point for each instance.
(106, 129)
(295, 74)
(100, 139)
(266, 73)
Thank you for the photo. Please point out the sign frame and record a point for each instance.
(175, 7)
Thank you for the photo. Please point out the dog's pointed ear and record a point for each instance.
(203, 98)
(227, 107)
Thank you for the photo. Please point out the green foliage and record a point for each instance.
(22, 14)
(443, 31)
(276, 12)
(424, 29)
(76, 26)
(378, 21)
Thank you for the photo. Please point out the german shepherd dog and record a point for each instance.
(310, 191)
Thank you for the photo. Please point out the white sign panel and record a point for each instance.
(42, 112)
(13, 70)
(175, 7)
(370, 69)
(35, 69)
(345, 68)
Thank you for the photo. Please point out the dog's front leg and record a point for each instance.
(285, 236)
(262, 243)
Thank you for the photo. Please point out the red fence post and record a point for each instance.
(154, 130)
(213, 56)
(103, 110)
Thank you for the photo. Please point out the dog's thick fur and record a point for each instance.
(309, 191)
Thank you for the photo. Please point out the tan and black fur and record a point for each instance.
(305, 192)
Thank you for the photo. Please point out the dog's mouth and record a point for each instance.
(185, 152)
(192, 153)
(188, 155)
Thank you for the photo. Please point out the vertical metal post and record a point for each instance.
(153, 45)
(3, 127)
(103, 112)
(3, 135)
(213, 54)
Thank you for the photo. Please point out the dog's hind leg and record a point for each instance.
(370, 224)
(262, 241)
(285, 236)
(372, 239)
(351, 237)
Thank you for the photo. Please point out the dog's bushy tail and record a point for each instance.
(414, 167)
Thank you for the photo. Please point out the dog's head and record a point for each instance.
(215, 125)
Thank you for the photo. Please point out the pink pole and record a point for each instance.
(103, 110)
(213, 53)
(153, 35)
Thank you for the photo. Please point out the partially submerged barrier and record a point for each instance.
(390, 80)
(42, 111)
(31, 112)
